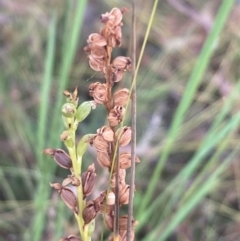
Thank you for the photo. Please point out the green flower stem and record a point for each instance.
(77, 164)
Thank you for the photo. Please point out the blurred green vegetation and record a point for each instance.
(187, 184)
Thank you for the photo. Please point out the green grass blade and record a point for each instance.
(67, 59)
(42, 192)
(194, 81)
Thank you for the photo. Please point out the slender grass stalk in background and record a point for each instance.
(194, 81)
(134, 123)
(69, 48)
(42, 193)
(214, 137)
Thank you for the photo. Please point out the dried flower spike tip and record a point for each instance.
(60, 156)
(71, 97)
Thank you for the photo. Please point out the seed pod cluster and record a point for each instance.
(108, 138)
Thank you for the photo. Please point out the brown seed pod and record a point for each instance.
(88, 180)
(108, 220)
(125, 160)
(96, 39)
(124, 194)
(98, 91)
(97, 65)
(117, 75)
(121, 96)
(123, 221)
(106, 132)
(124, 135)
(100, 144)
(116, 115)
(122, 62)
(103, 159)
(60, 156)
(90, 211)
(67, 196)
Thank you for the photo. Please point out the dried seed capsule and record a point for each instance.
(101, 197)
(106, 132)
(125, 160)
(88, 180)
(105, 208)
(117, 75)
(60, 156)
(113, 18)
(124, 135)
(99, 92)
(97, 65)
(123, 221)
(108, 220)
(124, 194)
(98, 52)
(67, 196)
(100, 144)
(116, 115)
(122, 62)
(121, 97)
(97, 39)
(103, 159)
(90, 212)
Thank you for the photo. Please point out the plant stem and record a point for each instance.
(77, 164)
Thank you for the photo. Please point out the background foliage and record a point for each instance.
(187, 184)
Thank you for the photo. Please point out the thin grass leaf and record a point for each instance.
(194, 81)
